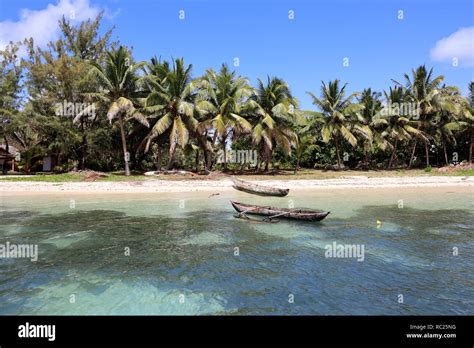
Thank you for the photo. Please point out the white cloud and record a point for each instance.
(111, 15)
(42, 25)
(458, 45)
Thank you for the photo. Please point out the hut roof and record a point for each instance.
(12, 150)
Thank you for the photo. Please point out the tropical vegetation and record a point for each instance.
(84, 101)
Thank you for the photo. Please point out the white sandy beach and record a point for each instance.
(223, 185)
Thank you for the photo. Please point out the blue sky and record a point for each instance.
(305, 50)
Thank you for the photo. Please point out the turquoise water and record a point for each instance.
(183, 256)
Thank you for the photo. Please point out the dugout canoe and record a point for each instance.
(256, 189)
(272, 212)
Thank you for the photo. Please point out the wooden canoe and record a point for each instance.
(271, 212)
(256, 189)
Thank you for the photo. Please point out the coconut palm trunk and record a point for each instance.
(427, 154)
(82, 163)
(28, 159)
(471, 144)
(257, 166)
(338, 153)
(394, 153)
(207, 153)
(172, 153)
(208, 160)
(412, 157)
(224, 142)
(367, 156)
(124, 146)
(445, 153)
(267, 153)
(197, 161)
(118, 82)
(159, 156)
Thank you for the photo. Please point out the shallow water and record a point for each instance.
(183, 254)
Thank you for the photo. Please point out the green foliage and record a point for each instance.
(171, 102)
(275, 114)
(142, 114)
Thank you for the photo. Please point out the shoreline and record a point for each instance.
(166, 186)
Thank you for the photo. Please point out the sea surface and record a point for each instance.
(186, 254)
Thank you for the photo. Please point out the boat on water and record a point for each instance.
(272, 212)
(256, 189)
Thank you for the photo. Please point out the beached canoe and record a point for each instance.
(272, 213)
(256, 189)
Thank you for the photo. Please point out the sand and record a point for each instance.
(223, 185)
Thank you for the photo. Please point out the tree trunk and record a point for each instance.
(7, 146)
(366, 159)
(214, 139)
(471, 144)
(412, 154)
(208, 157)
(445, 154)
(258, 165)
(337, 152)
(207, 153)
(82, 160)
(7, 149)
(172, 153)
(267, 153)
(197, 161)
(224, 141)
(159, 157)
(427, 154)
(297, 165)
(26, 168)
(124, 147)
(394, 153)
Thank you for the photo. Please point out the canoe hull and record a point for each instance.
(259, 189)
(284, 213)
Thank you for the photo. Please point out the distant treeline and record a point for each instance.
(88, 104)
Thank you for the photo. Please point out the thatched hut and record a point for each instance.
(7, 158)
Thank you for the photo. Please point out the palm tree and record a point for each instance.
(340, 117)
(372, 105)
(304, 145)
(224, 96)
(118, 78)
(275, 115)
(471, 110)
(155, 73)
(171, 99)
(426, 92)
(397, 127)
(454, 117)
